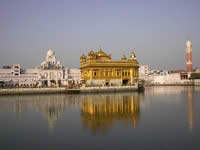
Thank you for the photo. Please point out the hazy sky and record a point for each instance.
(156, 30)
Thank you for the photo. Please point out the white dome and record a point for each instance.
(43, 63)
(58, 62)
(188, 43)
(50, 52)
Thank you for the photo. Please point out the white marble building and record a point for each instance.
(51, 73)
(143, 71)
(161, 77)
(168, 78)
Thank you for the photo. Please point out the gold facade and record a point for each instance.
(100, 66)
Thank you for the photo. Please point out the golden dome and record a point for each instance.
(123, 57)
(133, 55)
(83, 57)
(100, 52)
(91, 53)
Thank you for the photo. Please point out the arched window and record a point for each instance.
(59, 75)
(51, 75)
(46, 74)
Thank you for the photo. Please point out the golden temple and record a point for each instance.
(98, 69)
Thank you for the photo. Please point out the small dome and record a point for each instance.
(123, 57)
(50, 52)
(58, 62)
(44, 62)
(91, 52)
(100, 52)
(133, 55)
(83, 57)
(188, 43)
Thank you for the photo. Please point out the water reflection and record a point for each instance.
(51, 107)
(52, 110)
(174, 90)
(100, 113)
(169, 90)
(190, 110)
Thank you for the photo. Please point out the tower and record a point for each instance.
(189, 56)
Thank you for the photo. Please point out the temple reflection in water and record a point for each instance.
(51, 107)
(100, 112)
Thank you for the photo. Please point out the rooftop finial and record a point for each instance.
(188, 43)
(100, 48)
